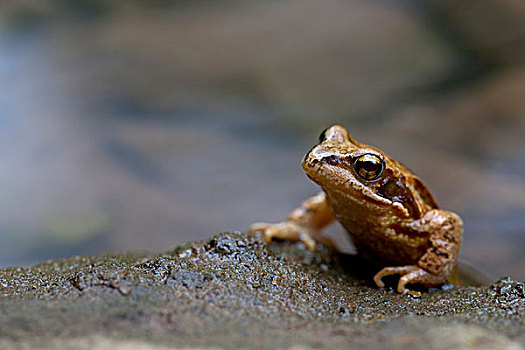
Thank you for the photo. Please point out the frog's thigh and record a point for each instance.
(444, 242)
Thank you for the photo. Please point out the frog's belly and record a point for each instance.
(389, 247)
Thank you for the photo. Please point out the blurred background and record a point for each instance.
(139, 125)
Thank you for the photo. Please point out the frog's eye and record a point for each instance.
(322, 135)
(369, 166)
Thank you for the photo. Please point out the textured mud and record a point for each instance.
(235, 291)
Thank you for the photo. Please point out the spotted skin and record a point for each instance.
(391, 216)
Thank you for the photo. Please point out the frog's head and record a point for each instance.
(364, 173)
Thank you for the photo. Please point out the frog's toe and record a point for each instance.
(394, 270)
(378, 281)
(419, 276)
(287, 230)
(258, 227)
(290, 231)
(411, 277)
(309, 242)
(269, 230)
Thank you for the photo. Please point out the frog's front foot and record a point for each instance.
(287, 230)
(409, 274)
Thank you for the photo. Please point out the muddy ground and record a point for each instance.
(235, 291)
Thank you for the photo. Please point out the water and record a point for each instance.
(139, 128)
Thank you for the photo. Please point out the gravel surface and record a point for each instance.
(235, 291)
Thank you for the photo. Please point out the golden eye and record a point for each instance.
(369, 166)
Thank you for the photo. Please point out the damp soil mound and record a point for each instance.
(235, 291)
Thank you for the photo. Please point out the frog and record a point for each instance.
(390, 215)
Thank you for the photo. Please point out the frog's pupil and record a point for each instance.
(369, 166)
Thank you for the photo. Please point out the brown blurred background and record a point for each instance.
(137, 125)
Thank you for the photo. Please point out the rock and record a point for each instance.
(233, 290)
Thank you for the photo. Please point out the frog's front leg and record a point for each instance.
(304, 224)
(437, 263)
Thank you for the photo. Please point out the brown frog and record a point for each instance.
(391, 216)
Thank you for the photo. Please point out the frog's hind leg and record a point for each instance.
(438, 261)
(410, 274)
(304, 224)
(418, 276)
